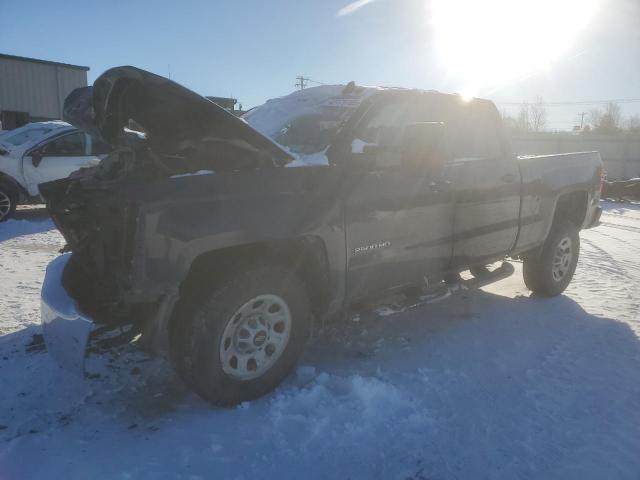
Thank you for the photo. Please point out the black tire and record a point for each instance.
(538, 268)
(199, 322)
(8, 194)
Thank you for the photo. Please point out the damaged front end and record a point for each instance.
(90, 285)
(158, 130)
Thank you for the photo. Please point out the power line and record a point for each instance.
(568, 104)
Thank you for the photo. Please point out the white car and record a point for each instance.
(41, 152)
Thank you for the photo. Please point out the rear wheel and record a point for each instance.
(8, 200)
(240, 340)
(550, 271)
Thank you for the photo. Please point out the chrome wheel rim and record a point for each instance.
(562, 259)
(5, 205)
(255, 337)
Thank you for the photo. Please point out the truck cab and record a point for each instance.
(454, 203)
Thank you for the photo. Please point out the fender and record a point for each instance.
(270, 207)
(546, 179)
(23, 194)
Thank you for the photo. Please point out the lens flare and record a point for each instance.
(491, 43)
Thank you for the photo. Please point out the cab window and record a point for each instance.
(382, 129)
(475, 133)
(72, 145)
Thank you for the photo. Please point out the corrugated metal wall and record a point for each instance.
(37, 88)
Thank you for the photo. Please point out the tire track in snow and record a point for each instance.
(606, 284)
(629, 228)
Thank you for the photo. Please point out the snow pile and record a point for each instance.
(343, 414)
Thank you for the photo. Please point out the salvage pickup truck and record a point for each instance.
(222, 238)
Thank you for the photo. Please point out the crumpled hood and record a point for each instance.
(170, 114)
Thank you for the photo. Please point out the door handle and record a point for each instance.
(508, 178)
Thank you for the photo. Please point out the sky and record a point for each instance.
(560, 50)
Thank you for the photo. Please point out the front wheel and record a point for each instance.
(8, 201)
(240, 340)
(550, 271)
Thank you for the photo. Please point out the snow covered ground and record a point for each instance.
(491, 383)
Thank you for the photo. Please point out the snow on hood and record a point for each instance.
(273, 116)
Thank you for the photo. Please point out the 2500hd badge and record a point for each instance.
(373, 246)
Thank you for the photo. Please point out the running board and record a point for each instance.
(503, 271)
(396, 305)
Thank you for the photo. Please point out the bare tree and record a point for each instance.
(612, 117)
(537, 115)
(632, 124)
(593, 117)
(607, 120)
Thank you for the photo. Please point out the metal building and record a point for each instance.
(33, 90)
(228, 104)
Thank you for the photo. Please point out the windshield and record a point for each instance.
(311, 133)
(306, 122)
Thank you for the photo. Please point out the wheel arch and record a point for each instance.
(306, 256)
(571, 206)
(22, 193)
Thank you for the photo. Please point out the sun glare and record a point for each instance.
(489, 43)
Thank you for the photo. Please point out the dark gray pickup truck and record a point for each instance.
(222, 238)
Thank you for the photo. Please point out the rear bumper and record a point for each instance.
(66, 330)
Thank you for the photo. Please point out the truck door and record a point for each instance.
(487, 186)
(59, 157)
(398, 221)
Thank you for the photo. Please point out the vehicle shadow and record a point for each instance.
(475, 327)
(476, 333)
(462, 375)
(18, 227)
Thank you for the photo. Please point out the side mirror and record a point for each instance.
(36, 157)
(424, 144)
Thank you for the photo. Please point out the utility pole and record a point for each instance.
(302, 82)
